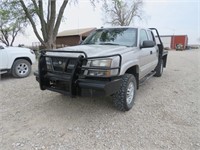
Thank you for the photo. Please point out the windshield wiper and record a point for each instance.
(108, 44)
(87, 43)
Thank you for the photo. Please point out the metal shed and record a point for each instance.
(172, 41)
(179, 39)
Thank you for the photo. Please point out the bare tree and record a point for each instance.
(8, 34)
(49, 17)
(122, 12)
(50, 22)
(12, 22)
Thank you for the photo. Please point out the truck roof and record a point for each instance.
(116, 27)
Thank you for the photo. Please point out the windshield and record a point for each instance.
(114, 36)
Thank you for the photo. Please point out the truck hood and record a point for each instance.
(99, 50)
(16, 49)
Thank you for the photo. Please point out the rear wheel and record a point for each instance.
(124, 98)
(21, 68)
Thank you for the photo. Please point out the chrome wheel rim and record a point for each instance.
(130, 93)
(22, 69)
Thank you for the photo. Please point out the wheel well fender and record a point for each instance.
(134, 70)
(25, 58)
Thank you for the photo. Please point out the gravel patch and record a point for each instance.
(165, 115)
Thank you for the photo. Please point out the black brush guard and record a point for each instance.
(70, 78)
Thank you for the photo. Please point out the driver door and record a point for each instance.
(145, 58)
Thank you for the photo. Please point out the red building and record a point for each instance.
(179, 39)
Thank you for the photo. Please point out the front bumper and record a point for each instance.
(105, 87)
(83, 86)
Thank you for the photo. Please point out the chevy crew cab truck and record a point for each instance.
(110, 61)
(16, 60)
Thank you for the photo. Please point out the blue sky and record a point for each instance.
(168, 16)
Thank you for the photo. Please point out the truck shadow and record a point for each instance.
(65, 107)
(68, 114)
(6, 77)
(96, 103)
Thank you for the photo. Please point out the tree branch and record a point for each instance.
(4, 38)
(42, 20)
(36, 7)
(14, 34)
(122, 12)
(60, 14)
(52, 17)
(48, 11)
(31, 21)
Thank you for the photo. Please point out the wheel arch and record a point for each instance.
(25, 58)
(134, 70)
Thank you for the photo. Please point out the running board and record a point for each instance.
(2, 72)
(147, 77)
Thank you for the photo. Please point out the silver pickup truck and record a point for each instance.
(110, 61)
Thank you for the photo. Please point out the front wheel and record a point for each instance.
(124, 98)
(21, 68)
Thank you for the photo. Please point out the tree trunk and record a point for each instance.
(50, 44)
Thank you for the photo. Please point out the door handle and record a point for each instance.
(151, 52)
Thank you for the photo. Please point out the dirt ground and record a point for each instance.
(166, 114)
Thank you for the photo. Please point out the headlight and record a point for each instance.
(32, 52)
(101, 63)
(49, 63)
(101, 73)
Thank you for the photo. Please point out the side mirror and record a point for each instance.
(148, 44)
